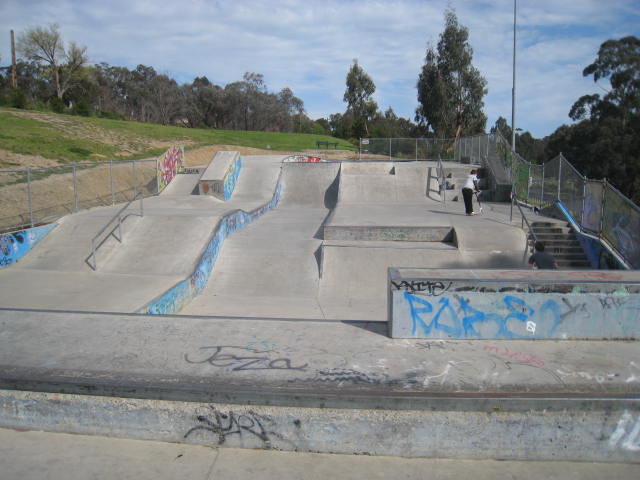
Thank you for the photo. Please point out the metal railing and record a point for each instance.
(95, 244)
(442, 181)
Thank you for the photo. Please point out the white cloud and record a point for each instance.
(309, 46)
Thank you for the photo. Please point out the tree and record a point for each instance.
(44, 46)
(358, 94)
(450, 88)
(619, 61)
(606, 140)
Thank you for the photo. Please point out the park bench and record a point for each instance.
(321, 143)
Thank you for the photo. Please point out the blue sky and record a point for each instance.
(309, 45)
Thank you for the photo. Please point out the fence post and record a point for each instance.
(389, 148)
(542, 189)
(75, 188)
(559, 175)
(602, 208)
(360, 150)
(113, 193)
(29, 197)
(135, 190)
(416, 149)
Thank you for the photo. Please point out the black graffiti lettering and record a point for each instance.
(241, 362)
(431, 288)
(226, 424)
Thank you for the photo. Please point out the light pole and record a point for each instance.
(513, 90)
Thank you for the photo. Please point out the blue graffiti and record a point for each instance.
(462, 322)
(14, 246)
(181, 294)
(231, 179)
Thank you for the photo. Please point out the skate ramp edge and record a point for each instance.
(444, 234)
(15, 245)
(221, 176)
(513, 304)
(177, 297)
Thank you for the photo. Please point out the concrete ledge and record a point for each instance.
(600, 434)
(390, 233)
(221, 176)
(523, 305)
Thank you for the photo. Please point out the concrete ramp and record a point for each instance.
(183, 184)
(310, 185)
(270, 268)
(385, 182)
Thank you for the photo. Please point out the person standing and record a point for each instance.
(470, 185)
(541, 259)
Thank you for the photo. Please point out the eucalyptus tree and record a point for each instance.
(44, 46)
(450, 88)
(360, 88)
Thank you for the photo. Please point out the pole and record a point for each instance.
(513, 90)
(29, 197)
(14, 78)
(75, 188)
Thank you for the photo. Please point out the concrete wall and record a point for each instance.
(168, 166)
(517, 309)
(181, 294)
(599, 433)
(14, 246)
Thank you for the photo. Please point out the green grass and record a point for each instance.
(34, 137)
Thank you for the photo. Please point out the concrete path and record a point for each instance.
(55, 456)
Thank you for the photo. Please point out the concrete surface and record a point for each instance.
(51, 456)
(287, 346)
(158, 250)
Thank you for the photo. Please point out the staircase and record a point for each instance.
(560, 240)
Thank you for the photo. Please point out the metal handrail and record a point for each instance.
(118, 216)
(529, 229)
(442, 181)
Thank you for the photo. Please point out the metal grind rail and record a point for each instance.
(95, 245)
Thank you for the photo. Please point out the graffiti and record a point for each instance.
(598, 377)
(168, 166)
(518, 357)
(226, 424)
(627, 433)
(346, 375)
(233, 356)
(633, 377)
(231, 178)
(14, 246)
(173, 300)
(445, 318)
(431, 288)
(435, 344)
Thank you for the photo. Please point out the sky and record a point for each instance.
(309, 46)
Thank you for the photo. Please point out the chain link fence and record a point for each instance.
(394, 149)
(595, 205)
(35, 196)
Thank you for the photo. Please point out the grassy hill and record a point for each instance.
(33, 139)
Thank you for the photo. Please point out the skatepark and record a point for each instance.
(263, 320)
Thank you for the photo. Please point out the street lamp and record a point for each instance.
(513, 90)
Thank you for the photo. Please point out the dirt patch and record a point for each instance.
(17, 161)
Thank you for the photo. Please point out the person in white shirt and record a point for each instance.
(469, 187)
